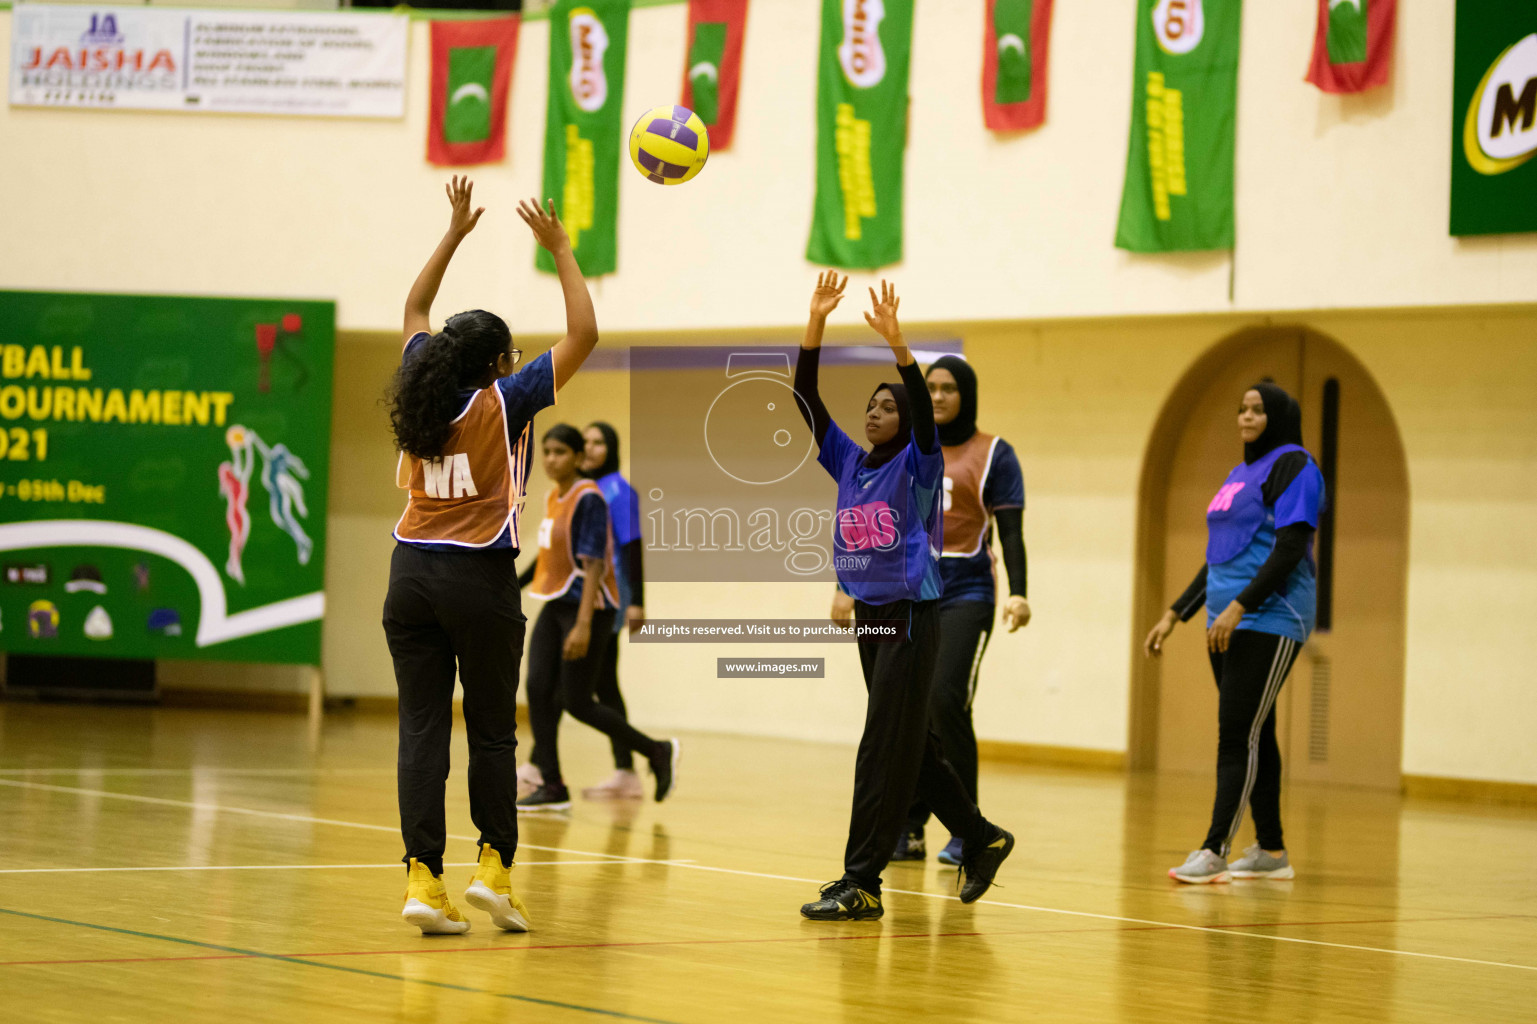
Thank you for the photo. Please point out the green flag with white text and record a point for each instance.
(582, 133)
(861, 133)
(1179, 163)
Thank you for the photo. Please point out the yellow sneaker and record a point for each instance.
(491, 891)
(427, 904)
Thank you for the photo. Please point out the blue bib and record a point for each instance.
(1238, 511)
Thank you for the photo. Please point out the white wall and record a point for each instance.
(1341, 202)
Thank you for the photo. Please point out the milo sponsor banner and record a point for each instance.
(232, 61)
(1494, 118)
(861, 133)
(583, 133)
(163, 476)
(1178, 193)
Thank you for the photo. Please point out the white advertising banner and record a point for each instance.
(222, 61)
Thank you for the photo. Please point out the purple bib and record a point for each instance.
(1236, 514)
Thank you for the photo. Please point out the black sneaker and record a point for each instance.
(910, 846)
(980, 866)
(546, 798)
(844, 901)
(664, 767)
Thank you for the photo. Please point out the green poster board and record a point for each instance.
(163, 474)
(1494, 118)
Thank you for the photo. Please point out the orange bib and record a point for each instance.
(966, 519)
(557, 567)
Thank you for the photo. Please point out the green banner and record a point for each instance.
(707, 53)
(163, 476)
(1494, 118)
(582, 133)
(861, 133)
(1179, 162)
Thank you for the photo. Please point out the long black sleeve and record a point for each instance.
(1193, 598)
(632, 562)
(810, 404)
(1291, 544)
(920, 407)
(1011, 536)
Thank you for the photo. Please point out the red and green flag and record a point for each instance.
(1184, 111)
(471, 73)
(1014, 49)
(713, 69)
(582, 130)
(1353, 46)
(861, 133)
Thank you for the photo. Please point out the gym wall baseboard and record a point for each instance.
(1485, 791)
(1045, 754)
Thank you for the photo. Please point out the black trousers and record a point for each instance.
(964, 630)
(556, 685)
(1249, 676)
(899, 755)
(607, 692)
(446, 610)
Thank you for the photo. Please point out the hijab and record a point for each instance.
(888, 450)
(960, 429)
(611, 446)
(1283, 422)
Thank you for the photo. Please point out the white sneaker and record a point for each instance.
(530, 778)
(1256, 863)
(1202, 867)
(624, 784)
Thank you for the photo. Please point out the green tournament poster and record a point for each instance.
(163, 473)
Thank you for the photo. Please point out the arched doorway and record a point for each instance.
(1340, 716)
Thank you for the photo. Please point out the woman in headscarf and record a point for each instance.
(600, 461)
(886, 541)
(574, 577)
(1260, 596)
(983, 484)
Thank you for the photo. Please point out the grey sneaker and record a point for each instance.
(1200, 868)
(1256, 863)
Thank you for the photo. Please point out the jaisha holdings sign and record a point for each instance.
(1494, 118)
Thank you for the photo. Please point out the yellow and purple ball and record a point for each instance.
(669, 145)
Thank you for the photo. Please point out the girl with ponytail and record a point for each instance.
(463, 423)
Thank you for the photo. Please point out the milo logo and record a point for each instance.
(589, 42)
(1499, 133)
(1178, 25)
(860, 53)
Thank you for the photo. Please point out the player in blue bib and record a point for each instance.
(1258, 586)
(887, 540)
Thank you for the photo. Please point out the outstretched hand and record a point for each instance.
(828, 293)
(548, 231)
(462, 221)
(883, 315)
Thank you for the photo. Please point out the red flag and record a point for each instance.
(1015, 44)
(1353, 46)
(712, 69)
(467, 105)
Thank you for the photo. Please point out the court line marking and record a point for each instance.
(397, 866)
(869, 937)
(278, 815)
(792, 878)
(280, 958)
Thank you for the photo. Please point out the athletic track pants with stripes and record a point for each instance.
(1249, 676)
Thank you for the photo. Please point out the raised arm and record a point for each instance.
(883, 319)
(581, 321)
(824, 299)
(461, 222)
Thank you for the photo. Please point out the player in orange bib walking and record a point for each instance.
(574, 576)
(463, 421)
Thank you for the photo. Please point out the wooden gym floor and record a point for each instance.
(177, 865)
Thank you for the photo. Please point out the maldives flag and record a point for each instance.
(1353, 47)
(467, 108)
(1014, 48)
(713, 69)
